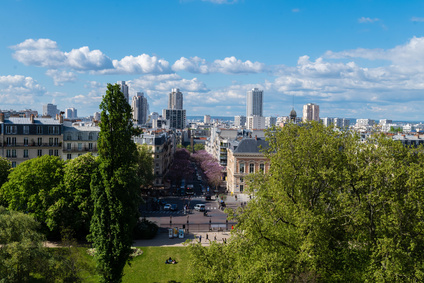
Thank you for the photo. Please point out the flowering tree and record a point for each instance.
(210, 167)
(181, 168)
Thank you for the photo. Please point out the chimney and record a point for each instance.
(1, 117)
(31, 118)
(57, 117)
(61, 119)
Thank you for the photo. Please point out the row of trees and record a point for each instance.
(331, 209)
(88, 195)
(209, 166)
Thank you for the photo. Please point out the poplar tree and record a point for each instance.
(114, 187)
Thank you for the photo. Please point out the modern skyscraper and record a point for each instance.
(175, 100)
(310, 112)
(254, 102)
(140, 108)
(124, 89)
(71, 113)
(50, 110)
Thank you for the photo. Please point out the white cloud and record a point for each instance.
(19, 90)
(45, 53)
(367, 20)
(142, 64)
(229, 65)
(61, 76)
(296, 10)
(417, 19)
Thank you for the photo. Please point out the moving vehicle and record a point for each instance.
(200, 207)
(208, 197)
(189, 190)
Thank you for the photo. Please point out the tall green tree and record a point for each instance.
(330, 209)
(114, 187)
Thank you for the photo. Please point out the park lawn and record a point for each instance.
(151, 267)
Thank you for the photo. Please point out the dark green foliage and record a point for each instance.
(144, 166)
(4, 170)
(145, 229)
(114, 187)
(73, 207)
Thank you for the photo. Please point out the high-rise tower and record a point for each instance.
(175, 100)
(140, 108)
(124, 89)
(254, 102)
(310, 112)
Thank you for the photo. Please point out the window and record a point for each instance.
(68, 146)
(80, 146)
(56, 152)
(157, 164)
(40, 141)
(241, 180)
(13, 152)
(90, 146)
(9, 141)
(68, 137)
(157, 148)
(8, 153)
(39, 129)
(90, 136)
(241, 188)
(11, 129)
(13, 164)
(241, 167)
(25, 141)
(53, 130)
(157, 156)
(80, 137)
(25, 152)
(13, 141)
(50, 152)
(262, 167)
(56, 141)
(40, 152)
(251, 168)
(69, 156)
(50, 141)
(26, 130)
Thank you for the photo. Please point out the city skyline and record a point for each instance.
(362, 59)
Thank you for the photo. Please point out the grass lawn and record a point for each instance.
(151, 267)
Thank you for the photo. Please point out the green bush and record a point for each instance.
(145, 229)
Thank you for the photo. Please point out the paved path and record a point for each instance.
(162, 239)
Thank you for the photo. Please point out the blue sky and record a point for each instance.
(356, 59)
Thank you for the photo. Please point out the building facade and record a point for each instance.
(255, 122)
(175, 99)
(240, 121)
(79, 139)
(24, 138)
(310, 112)
(124, 90)
(140, 108)
(50, 110)
(245, 159)
(176, 117)
(254, 102)
(71, 113)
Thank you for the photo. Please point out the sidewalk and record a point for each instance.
(162, 239)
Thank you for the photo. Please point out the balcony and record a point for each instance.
(81, 149)
(31, 145)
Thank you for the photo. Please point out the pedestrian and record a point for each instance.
(200, 238)
(207, 237)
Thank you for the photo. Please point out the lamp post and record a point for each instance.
(170, 221)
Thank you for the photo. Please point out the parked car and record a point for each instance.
(200, 207)
(208, 197)
(174, 207)
(167, 206)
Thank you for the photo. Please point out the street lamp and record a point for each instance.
(170, 221)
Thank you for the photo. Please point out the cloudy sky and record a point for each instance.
(356, 59)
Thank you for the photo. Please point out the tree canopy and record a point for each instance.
(330, 209)
(114, 187)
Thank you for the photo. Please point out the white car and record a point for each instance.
(167, 206)
(200, 207)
